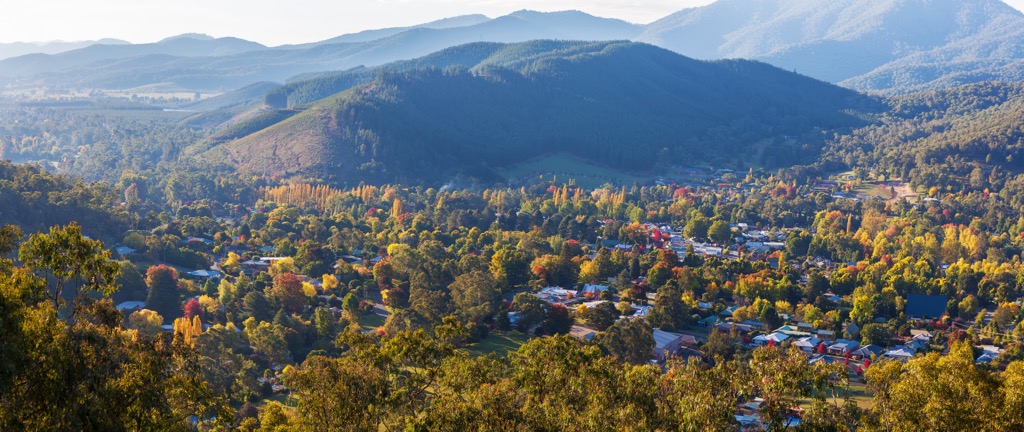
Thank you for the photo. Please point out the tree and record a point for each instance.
(669, 313)
(877, 334)
(628, 340)
(146, 321)
(558, 321)
(599, 316)
(268, 339)
(697, 228)
(67, 259)
(163, 290)
(511, 267)
(192, 308)
(287, 290)
(719, 232)
(531, 309)
(935, 392)
(342, 394)
(475, 295)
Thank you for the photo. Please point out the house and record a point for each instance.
(792, 331)
(851, 331)
(556, 295)
(728, 311)
(592, 290)
(925, 306)
(687, 339)
(902, 353)
(773, 338)
(727, 327)
(867, 351)
(130, 306)
(842, 347)
(254, 267)
(204, 275)
(827, 335)
(988, 353)
(709, 321)
(666, 343)
(124, 251)
(807, 344)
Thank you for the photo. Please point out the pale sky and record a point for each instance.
(276, 22)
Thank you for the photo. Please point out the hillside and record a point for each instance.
(897, 45)
(624, 105)
(942, 137)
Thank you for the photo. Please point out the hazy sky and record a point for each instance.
(276, 22)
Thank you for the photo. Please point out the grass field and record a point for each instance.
(858, 394)
(370, 321)
(563, 167)
(499, 344)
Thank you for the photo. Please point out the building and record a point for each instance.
(925, 306)
(842, 347)
(666, 343)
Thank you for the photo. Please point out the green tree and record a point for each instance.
(475, 296)
(69, 260)
(628, 340)
(719, 232)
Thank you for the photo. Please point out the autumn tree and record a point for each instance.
(163, 297)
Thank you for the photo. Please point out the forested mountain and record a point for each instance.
(897, 45)
(626, 105)
(952, 137)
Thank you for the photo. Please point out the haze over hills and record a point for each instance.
(614, 103)
(253, 63)
(15, 49)
(893, 46)
(864, 44)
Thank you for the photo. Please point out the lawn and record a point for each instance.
(563, 167)
(371, 321)
(858, 394)
(499, 344)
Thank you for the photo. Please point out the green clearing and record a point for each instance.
(858, 394)
(564, 167)
(499, 344)
(371, 321)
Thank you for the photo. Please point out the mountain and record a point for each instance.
(898, 45)
(15, 49)
(196, 69)
(624, 105)
(100, 56)
(372, 35)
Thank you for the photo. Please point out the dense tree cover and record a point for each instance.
(34, 199)
(593, 100)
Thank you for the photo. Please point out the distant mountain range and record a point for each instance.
(476, 108)
(900, 45)
(15, 49)
(891, 46)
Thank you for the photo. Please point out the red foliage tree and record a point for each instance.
(192, 308)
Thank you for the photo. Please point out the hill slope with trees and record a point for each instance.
(624, 105)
